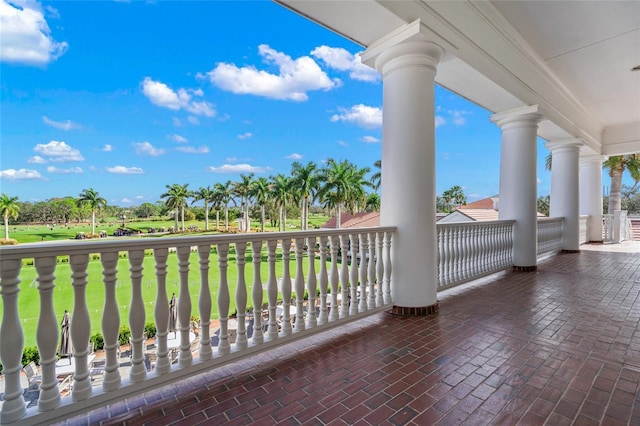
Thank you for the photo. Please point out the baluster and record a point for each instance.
(161, 312)
(272, 289)
(353, 274)
(446, 256)
(466, 232)
(286, 287)
(241, 296)
(224, 300)
(184, 307)
(440, 263)
(388, 267)
(299, 285)
(136, 317)
(110, 322)
(362, 270)
(47, 334)
(256, 292)
(344, 275)
(322, 319)
(80, 327)
(371, 265)
(456, 254)
(311, 283)
(12, 338)
(204, 304)
(335, 309)
(379, 269)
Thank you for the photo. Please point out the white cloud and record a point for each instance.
(176, 122)
(62, 125)
(107, 148)
(340, 59)
(458, 117)
(139, 197)
(58, 151)
(295, 77)
(360, 115)
(25, 34)
(36, 159)
(20, 174)
(162, 95)
(294, 156)
(245, 136)
(238, 168)
(52, 169)
(122, 170)
(148, 149)
(231, 159)
(177, 138)
(440, 121)
(125, 201)
(193, 149)
(342, 143)
(193, 120)
(370, 139)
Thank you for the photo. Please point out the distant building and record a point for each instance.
(481, 210)
(359, 220)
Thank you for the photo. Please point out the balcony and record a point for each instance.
(495, 345)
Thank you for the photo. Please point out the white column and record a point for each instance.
(518, 188)
(565, 200)
(407, 62)
(591, 194)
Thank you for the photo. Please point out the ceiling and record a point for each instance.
(572, 58)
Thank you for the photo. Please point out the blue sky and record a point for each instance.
(128, 97)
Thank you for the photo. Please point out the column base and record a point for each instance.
(414, 311)
(596, 242)
(570, 251)
(525, 268)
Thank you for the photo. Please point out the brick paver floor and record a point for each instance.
(558, 346)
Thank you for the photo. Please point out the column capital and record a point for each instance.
(593, 159)
(408, 45)
(564, 145)
(518, 117)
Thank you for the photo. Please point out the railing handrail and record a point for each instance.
(63, 248)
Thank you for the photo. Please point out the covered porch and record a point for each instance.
(558, 345)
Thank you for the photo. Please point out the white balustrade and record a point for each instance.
(584, 229)
(352, 263)
(470, 250)
(549, 234)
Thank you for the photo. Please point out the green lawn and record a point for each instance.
(39, 232)
(29, 299)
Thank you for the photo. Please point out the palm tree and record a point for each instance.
(207, 194)
(224, 193)
(617, 165)
(376, 178)
(454, 195)
(373, 202)
(261, 194)
(177, 196)
(305, 181)
(94, 201)
(282, 194)
(242, 189)
(10, 209)
(342, 184)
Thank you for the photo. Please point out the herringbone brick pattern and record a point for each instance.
(558, 346)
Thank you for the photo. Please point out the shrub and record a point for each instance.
(30, 353)
(124, 335)
(98, 341)
(150, 329)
